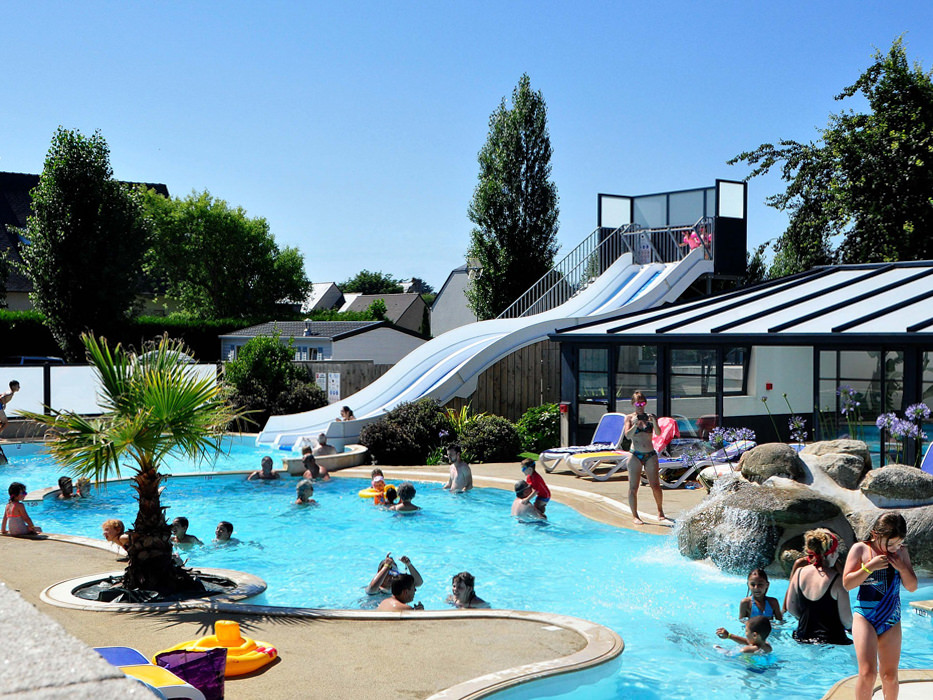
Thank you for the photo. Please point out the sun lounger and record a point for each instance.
(134, 664)
(585, 463)
(608, 437)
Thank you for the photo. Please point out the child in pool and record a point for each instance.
(305, 493)
(115, 531)
(378, 484)
(83, 487)
(390, 495)
(758, 602)
(313, 470)
(406, 492)
(757, 630)
(878, 566)
(387, 572)
(533, 479)
(16, 520)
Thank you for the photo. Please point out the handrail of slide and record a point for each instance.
(449, 365)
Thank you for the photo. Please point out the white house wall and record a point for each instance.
(383, 346)
(450, 309)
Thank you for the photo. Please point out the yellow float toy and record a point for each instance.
(372, 493)
(244, 655)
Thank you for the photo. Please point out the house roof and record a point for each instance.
(849, 304)
(396, 304)
(333, 330)
(15, 207)
(462, 270)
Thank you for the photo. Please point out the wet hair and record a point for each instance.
(306, 450)
(406, 491)
(390, 493)
(181, 520)
(64, 481)
(304, 488)
(115, 525)
(521, 487)
(347, 409)
(759, 572)
(322, 438)
(528, 463)
(16, 488)
(13, 383)
(375, 472)
(638, 396)
(310, 464)
(759, 625)
(818, 543)
(402, 582)
(888, 526)
(464, 577)
(226, 525)
(266, 461)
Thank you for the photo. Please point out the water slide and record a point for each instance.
(448, 365)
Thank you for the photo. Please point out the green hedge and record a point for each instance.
(25, 333)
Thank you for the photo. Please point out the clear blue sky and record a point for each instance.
(353, 127)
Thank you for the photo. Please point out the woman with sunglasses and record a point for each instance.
(639, 429)
(816, 595)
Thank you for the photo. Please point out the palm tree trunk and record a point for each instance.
(149, 549)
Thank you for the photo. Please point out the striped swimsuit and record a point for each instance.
(879, 599)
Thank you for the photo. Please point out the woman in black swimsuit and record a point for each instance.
(639, 427)
(816, 596)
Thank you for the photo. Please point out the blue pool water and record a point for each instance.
(665, 607)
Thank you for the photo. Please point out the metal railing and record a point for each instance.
(599, 250)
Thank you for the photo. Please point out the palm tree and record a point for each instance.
(154, 405)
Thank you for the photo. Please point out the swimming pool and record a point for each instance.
(664, 606)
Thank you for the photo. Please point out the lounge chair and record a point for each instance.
(134, 664)
(585, 464)
(722, 462)
(607, 438)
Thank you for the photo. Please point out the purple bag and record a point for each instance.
(202, 669)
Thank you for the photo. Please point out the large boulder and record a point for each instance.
(845, 469)
(898, 486)
(739, 528)
(771, 459)
(856, 448)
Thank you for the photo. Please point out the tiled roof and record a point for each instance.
(296, 329)
(396, 304)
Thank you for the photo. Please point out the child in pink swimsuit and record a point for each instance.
(16, 520)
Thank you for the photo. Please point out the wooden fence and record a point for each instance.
(528, 377)
(354, 374)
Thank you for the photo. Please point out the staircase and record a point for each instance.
(599, 250)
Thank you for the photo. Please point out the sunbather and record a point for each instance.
(639, 428)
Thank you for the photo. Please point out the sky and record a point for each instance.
(353, 128)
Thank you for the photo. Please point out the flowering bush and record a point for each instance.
(904, 429)
(798, 429)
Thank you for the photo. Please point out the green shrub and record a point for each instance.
(491, 439)
(390, 443)
(408, 434)
(539, 428)
(266, 381)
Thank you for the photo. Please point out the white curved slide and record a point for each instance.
(448, 366)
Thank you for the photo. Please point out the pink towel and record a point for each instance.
(669, 431)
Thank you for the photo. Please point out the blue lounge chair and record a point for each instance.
(927, 463)
(135, 665)
(608, 437)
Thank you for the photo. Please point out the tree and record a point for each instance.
(867, 180)
(155, 405)
(87, 235)
(267, 382)
(216, 262)
(514, 207)
(366, 282)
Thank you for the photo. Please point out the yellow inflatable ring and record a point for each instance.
(244, 655)
(372, 493)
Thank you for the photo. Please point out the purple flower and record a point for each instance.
(901, 429)
(917, 412)
(443, 435)
(886, 421)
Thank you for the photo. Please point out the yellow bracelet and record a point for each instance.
(866, 569)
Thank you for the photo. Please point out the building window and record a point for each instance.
(592, 386)
(636, 370)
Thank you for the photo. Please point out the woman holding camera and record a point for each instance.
(639, 429)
